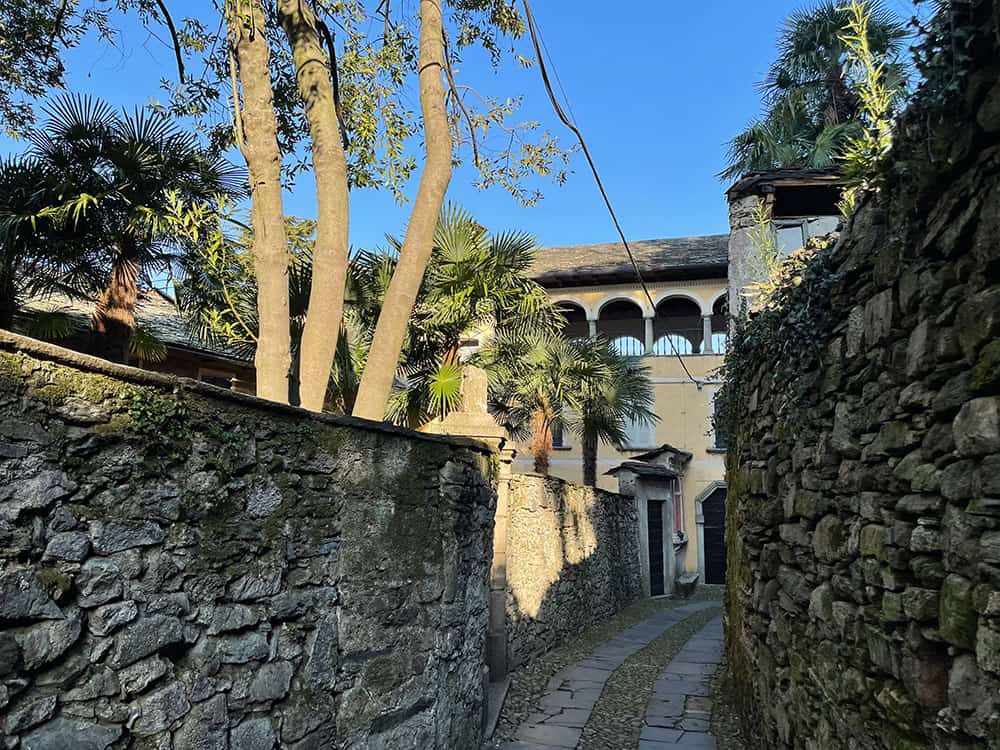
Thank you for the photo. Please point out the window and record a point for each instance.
(557, 436)
(720, 324)
(792, 234)
(790, 237)
(637, 434)
(218, 378)
(678, 327)
(720, 438)
(678, 498)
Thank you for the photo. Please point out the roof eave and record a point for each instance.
(559, 279)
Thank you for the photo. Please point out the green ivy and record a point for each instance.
(156, 416)
(785, 331)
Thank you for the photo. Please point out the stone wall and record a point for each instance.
(864, 486)
(572, 561)
(190, 568)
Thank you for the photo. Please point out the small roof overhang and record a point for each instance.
(643, 469)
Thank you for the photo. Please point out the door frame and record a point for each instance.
(706, 493)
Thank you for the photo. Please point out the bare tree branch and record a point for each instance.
(56, 26)
(332, 52)
(237, 110)
(169, 21)
(458, 99)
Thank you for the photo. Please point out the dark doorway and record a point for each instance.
(655, 516)
(714, 512)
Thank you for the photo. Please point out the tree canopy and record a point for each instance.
(812, 106)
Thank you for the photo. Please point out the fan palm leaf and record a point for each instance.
(811, 105)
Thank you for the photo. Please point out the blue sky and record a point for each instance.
(657, 86)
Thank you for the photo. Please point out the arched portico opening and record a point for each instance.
(621, 323)
(677, 328)
(720, 324)
(575, 317)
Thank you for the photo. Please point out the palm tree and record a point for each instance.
(811, 108)
(536, 381)
(543, 382)
(121, 184)
(37, 258)
(620, 395)
(475, 284)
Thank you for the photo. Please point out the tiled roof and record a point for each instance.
(665, 448)
(658, 260)
(155, 311)
(643, 468)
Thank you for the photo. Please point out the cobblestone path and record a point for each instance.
(679, 712)
(567, 707)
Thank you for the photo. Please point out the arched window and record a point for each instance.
(720, 324)
(678, 321)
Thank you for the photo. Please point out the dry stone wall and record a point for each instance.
(181, 567)
(864, 488)
(572, 561)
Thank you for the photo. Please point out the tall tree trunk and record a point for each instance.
(541, 441)
(326, 297)
(270, 243)
(589, 447)
(383, 357)
(114, 313)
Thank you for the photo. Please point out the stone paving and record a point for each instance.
(573, 691)
(679, 712)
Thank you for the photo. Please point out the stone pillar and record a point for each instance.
(648, 322)
(592, 324)
(496, 639)
(472, 420)
(706, 334)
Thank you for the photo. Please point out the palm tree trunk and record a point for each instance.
(8, 302)
(270, 244)
(383, 358)
(842, 103)
(114, 313)
(326, 298)
(541, 441)
(589, 447)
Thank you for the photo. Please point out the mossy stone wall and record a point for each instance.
(572, 561)
(863, 524)
(185, 567)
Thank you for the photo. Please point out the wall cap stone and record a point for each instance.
(12, 342)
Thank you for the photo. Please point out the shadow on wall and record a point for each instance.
(179, 563)
(572, 561)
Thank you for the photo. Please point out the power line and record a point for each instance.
(597, 177)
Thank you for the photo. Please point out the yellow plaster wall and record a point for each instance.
(684, 408)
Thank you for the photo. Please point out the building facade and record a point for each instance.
(680, 332)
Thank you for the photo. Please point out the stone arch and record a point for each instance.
(643, 305)
(575, 302)
(682, 294)
(678, 326)
(576, 318)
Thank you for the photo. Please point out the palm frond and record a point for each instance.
(53, 325)
(146, 346)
